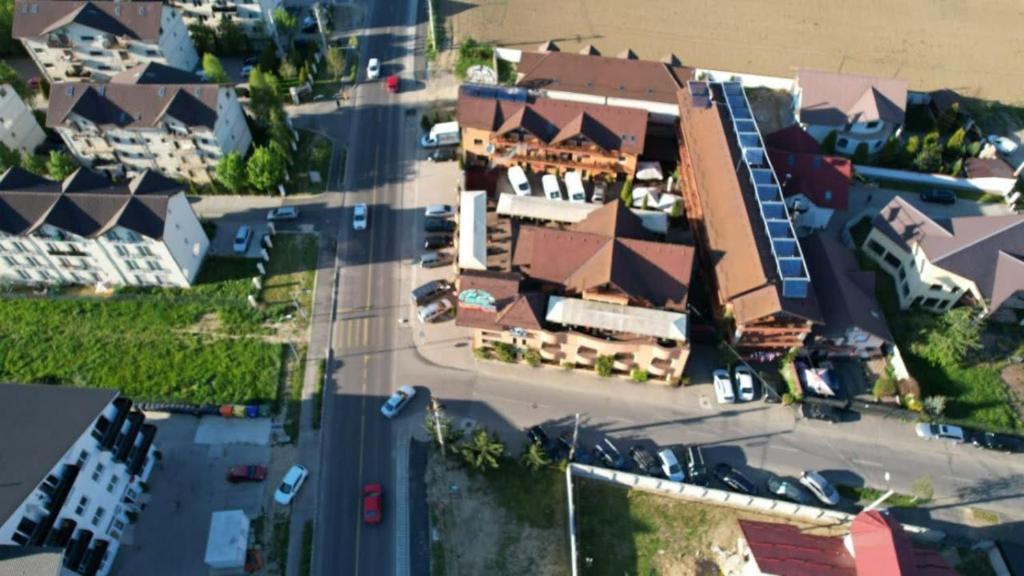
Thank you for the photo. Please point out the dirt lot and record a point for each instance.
(958, 44)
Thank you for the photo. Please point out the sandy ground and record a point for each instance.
(966, 45)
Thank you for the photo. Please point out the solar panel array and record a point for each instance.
(496, 92)
(789, 259)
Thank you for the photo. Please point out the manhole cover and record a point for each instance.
(705, 403)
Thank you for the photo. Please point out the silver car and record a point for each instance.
(820, 487)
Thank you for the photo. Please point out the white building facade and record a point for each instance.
(18, 127)
(254, 17)
(70, 39)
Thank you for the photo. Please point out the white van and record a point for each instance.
(574, 186)
(723, 386)
(552, 191)
(517, 178)
(442, 134)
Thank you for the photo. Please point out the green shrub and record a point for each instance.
(828, 145)
(505, 352)
(482, 353)
(568, 366)
(860, 155)
(884, 387)
(787, 399)
(684, 380)
(604, 366)
(532, 358)
(638, 375)
(626, 195)
(910, 402)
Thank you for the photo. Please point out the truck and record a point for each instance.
(441, 134)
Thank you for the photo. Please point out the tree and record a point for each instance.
(449, 433)
(952, 337)
(7, 42)
(604, 366)
(60, 165)
(482, 451)
(948, 118)
(957, 166)
(203, 37)
(955, 144)
(280, 133)
(9, 76)
(626, 195)
(287, 69)
(677, 209)
(231, 172)
(263, 95)
(286, 23)
(922, 489)
(532, 357)
(639, 375)
(265, 169)
(8, 157)
(934, 406)
(213, 69)
(335, 61)
(931, 140)
(860, 154)
(884, 388)
(891, 155)
(353, 42)
(913, 146)
(230, 37)
(828, 145)
(533, 457)
(268, 58)
(505, 352)
(34, 164)
(929, 160)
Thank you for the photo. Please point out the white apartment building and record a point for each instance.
(18, 127)
(254, 17)
(75, 460)
(86, 230)
(140, 122)
(75, 39)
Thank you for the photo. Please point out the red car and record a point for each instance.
(393, 83)
(246, 473)
(372, 494)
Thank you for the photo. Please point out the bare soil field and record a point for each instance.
(964, 45)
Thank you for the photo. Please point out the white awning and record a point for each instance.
(540, 208)
(473, 230)
(615, 318)
(228, 539)
(649, 171)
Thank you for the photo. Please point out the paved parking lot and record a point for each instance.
(187, 486)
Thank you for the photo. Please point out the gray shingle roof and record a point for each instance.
(834, 99)
(134, 105)
(30, 560)
(155, 73)
(24, 200)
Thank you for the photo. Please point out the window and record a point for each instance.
(905, 289)
(870, 125)
(98, 471)
(121, 251)
(828, 195)
(114, 480)
(83, 456)
(931, 302)
(842, 143)
(83, 505)
(87, 38)
(478, 141)
(903, 273)
(936, 287)
(154, 265)
(10, 261)
(892, 261)
(132, 265)
(24, 275)
(98, 515)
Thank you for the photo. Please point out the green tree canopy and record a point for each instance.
(34, 164)
(482, 451)
(955, 334)
(60, 165)
(533, 457)
(8, 44)
(231, 172)
(955, 144)
(286, 22)
(265, 169)
(203, 37)
(230, 37)
(9, 76)
(214, 69)
(8, 157)
(947, 120)
(335, 58)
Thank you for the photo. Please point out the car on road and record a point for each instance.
(609, 455)
(434, 259)
(437, 241)
(786, 488)
(246, 473)
(359, 217)
(372, 496)
(940, 432)
(290, 484)
(696, 469)
(439, 211)
(242, 238)
(283, 213)
(820, 487)
(670, 466)
(1003, 144)
(434, 310)
(438, 225)
(373, 69)
(517, 178)
(446, 154)
(565, 441)
(744, 384)
(549, 183)
(723, 386)
(734, 479)
(938, 196)
(428, 291)
(818, 411)
(997, 442)
(247, 70)
(644, 461)
(397, 401)
(394, 84)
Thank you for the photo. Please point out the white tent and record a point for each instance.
(228, 539)
(649, 171)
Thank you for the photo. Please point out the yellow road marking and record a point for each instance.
(366, 331)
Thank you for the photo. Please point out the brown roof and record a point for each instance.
(139, 19)
(833, 99)
(597, 252)
(553, 121)
(988, 168)
(602, 76)
(133, 105)
(512, 309)
(945, 98)
(738, 247)
(785, 550)
(988, 250)
(881, 546)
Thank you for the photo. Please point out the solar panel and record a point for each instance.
(497, 92)
(700, 94)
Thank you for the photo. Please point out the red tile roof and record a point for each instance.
(792, 139)
(784, 550)
(882, 548)
(824, 180)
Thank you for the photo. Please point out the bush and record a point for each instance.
(684, 380)
(934, 406)
(787, 399)
(604, 366)
(910, 402)
(505, 352)
(568, 366)
(638, 375)
(884, 387)
(626, 195)
(482, 353)
(913, 146)
(532, 358)
(860, 155)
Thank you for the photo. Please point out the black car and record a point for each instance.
(442, 155)
(734, 479)
(937, 196)
(998, 442)
(607, 454)
(823, 412)
(538, 436)
(439, 241)
(644, 461)
(787, 489)
(438, 225)
(696, 470)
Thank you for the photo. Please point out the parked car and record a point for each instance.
(644, 461)
(696, 469)
(251, 60)
(734, 479)
(247, 70)
(940, 431)
(372, 496)
(397, 401)
(581, 456)
(394, 84)
(434, 259)
(938, 196)
(607, 454)
(283, 213)
(438, 211)
(1003, 144)
(438, 225)
(433, 311)
(574, 187)
(744, 383)
(437, 241)
(599, 191)
(670, 466)
(619, 461)
(823, 412)
(290, 484)
(517, 178)
(428, 291)
(552, 191)
(723, 386)
(373, 69)
(246, 473)
(359, 217)
(820, 487)
(786, 489)
(538, 436)
(242, 239)
(998, 442)
(446, 154)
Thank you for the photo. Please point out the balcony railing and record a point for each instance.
(58, 41)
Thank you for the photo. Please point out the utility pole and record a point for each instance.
(575, 431)
(435, 409)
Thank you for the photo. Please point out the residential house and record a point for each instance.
(940, 263)
(758, 281)
(546, 135)
(859, 109)
(87, 230)
(75, 462)
(601, 287)
(19, 129)
(71, 39)
(254, 17)
(854, 324)
(144, 119)
(815, 185)
(994, 175)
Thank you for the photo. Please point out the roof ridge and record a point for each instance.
(907, 204)
(1018, 222)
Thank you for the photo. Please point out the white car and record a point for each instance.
(373, 69)
(290, 484)
(517, 178)
(820, 487)
(940, 432)
(283, 213)
(574, 186)
(1003, 144)
(359, 217)
(744, 384)
(723, 386)
(549, 182)
(397, 401)
(670, 465)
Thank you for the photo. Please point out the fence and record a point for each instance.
(1000, 186)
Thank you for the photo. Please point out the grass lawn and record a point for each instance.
(314, 153)
(863, 496)
(291, 272)
(535, 499)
